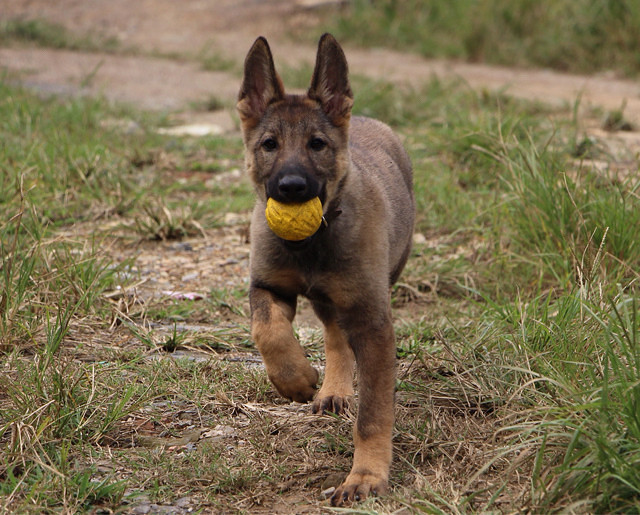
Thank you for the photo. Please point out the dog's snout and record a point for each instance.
(293, 183)
(293, 187)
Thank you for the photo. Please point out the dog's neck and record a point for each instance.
(333, 210)
(332, 213)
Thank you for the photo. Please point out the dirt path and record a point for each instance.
(227, 28)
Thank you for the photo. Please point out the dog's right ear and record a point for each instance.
(261, 84)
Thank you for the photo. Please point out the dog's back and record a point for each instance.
(378, 157)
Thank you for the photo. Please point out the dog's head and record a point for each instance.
(296, 145)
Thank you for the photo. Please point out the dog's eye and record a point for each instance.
(317, 144)
(270, 144)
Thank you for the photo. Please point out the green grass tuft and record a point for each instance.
(569, 35)
(46, 34)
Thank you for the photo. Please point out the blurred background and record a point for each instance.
(164, 54)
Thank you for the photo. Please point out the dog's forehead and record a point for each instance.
(296, 115)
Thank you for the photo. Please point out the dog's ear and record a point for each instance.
(261, 84)
(330, 81)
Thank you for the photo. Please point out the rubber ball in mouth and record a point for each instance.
(294, 221)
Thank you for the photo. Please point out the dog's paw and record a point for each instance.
(297, 384)
(331, 404)
(357, 487)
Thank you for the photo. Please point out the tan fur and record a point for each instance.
(272, 333)
(363, 177)
(336, 392)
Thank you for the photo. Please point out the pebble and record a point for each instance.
(419, 239)
(189, 277)
(328, 492)
(194, 129)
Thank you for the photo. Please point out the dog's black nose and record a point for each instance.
(293, 187)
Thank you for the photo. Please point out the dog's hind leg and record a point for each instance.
(337, 387)
(284, 358)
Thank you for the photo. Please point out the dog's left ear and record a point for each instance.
(330, 81)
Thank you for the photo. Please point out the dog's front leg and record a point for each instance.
(284, 358)
(373, 342)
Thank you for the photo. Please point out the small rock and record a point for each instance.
(229, 261)
(234, 219)
(184, 502)
(195, 129)
(182, 245)
(126, 126)
(328, 492)
(419, 239)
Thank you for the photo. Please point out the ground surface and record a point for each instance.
(159, 69)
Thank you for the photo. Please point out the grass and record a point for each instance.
(39, 32)
(129, 377)
(569, 35)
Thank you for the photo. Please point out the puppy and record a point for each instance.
(299, 147)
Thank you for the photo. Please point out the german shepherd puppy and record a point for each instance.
(303, 146)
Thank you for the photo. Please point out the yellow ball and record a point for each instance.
(294, 222)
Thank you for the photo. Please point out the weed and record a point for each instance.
(602, 460)
(211, 103)
(159, 223)
(616, 121)
(173, 341)
(213, 61)
(296, 77)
